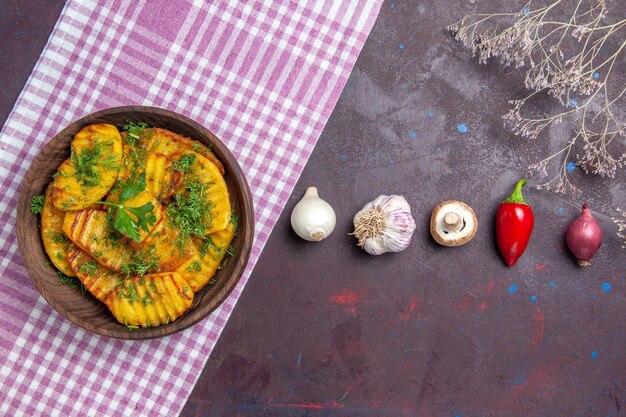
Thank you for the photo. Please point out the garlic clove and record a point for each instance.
(453, 223)
(313, 219)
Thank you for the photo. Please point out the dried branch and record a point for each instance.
(568, 58)
(621, 225)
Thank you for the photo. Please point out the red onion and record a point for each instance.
(584, 237)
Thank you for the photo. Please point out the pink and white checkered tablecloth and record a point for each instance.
(263, 75)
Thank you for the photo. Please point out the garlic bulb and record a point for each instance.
(384, 225)
(312, 218)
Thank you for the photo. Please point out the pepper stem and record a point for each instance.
(517, 196)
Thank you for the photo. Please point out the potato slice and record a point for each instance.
(161, 179)
(97, 279)
(163, 245)
(91, 170)
(150, 300)
(207, 257)
(166, 142)
(89, 230)
(215, 194)
(147, 301)
(54, 239)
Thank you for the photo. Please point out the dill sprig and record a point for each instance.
(134, 132)
(72, 282)
(59, 237)
(190, 213)
(194, 266)
(89, 268)
(87, 162)
(36, 204)
(137, 138)
(141, 263)
(185, 163)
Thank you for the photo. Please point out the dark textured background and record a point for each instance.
(323, 329)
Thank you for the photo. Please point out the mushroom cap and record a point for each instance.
(453, 235)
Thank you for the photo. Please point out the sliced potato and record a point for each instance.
(89, 230)
(207, 257)
(55, 242)
(163, 245)
(166, 142)
(150, 300)
(91, 171)
(96, 278)
(147, 301)
(216, 197)
(161, 180)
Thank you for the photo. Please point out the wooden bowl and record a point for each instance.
(85, 310)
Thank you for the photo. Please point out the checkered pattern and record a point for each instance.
(264, 76)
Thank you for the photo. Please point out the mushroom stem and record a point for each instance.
(452, 222)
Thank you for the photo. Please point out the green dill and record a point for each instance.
(223, 264)
(36, 204)
(60, 172)
(138, 268)
(137, 134)
(87, 162)
(132, 327)
(72, 282)
(134, 132)
(231, 250)
(185, 163)
(206, 246)
(89, 268)
(59, 237)
(202, 148)
(127, 292)
(48, 263)
(195, 266)
(191, 213)
(146, 300)
(141, 263)
(212, 281)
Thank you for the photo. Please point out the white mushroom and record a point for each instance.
(453, 223)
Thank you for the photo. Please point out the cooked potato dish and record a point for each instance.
(141, 217)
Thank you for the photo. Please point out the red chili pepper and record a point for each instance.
(514, 223)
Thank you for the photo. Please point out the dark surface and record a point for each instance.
(87, 311)
(25, 26)
(323, 329)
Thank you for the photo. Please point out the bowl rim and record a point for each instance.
(247, 205)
